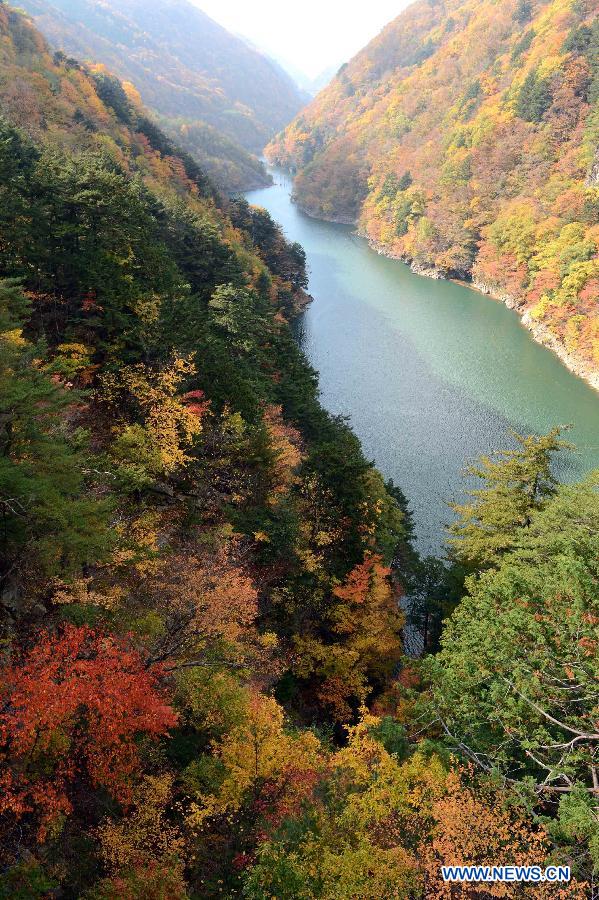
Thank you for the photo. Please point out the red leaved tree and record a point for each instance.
(71, 709)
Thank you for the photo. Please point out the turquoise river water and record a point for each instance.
(430, 373)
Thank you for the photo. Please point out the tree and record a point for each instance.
(369, 618)
(475, 824)
(514, 687)
(535, 98)
(18, 209)
(111, 92)
(145, 838)
(512, 138)
(523, 12)
(147, 881)
(198, 248)
(72, 707)
(78, 228)
(47, 512)
(286, 260)
(168, 420)
(373, 825)
(433, 590)
(516, 485)
(236, 502)
(335, 845)
(260, 750)
(208, 606)
(285, 444)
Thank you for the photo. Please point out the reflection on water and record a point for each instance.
(430, 373)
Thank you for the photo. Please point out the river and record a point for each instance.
(431, 374)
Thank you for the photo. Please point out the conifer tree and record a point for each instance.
(46, 518)
(516, 484)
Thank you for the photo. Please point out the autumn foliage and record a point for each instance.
(203, 579)
(72, 708)
(222, 102)
(462, 140)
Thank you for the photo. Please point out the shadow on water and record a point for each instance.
(430, 373)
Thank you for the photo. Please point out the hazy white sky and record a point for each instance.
(309, 34)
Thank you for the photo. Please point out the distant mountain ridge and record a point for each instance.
(222, 99)
(464, 139)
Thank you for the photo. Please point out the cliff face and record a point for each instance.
(464, 139)
(217, 96)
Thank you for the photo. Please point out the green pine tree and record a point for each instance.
(50, 521)
(515, 485)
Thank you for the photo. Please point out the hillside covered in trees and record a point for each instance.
(463, 139)
(218, 97)
(203, 689)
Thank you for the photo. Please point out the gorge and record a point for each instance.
(431, 373)
(463, 139)
(242, 656)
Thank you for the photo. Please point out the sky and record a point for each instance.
(308, 35)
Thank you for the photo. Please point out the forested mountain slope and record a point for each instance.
(202, 687)
(219, 97)
(179, 514)
(465, 139)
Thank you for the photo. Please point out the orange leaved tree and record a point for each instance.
(72, 708)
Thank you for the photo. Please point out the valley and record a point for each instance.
(430, 373)
(214, 94)
(299, 550)
(464, 140)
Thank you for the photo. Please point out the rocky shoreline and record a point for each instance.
(540, 332)
(544, 336)
(334, 220)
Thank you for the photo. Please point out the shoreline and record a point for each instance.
(539, 332)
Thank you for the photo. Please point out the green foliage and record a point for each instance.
(534, 99)
(523, 11)
(577, 823)
(433, 590)
(26, 881)
(523, 44)
(285, 260)
(18, 157)
(408, 209)
(474, 91)
(14, 308)
(226, 163)
(392, 185)
(111, 92)
(515, 682)
(197, 247)
(584, 41)
(89, 234)
(392, 736)
(47, 514)
(515, 486)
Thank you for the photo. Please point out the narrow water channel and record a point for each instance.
(430, 373)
